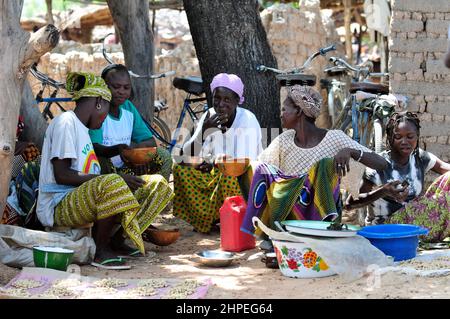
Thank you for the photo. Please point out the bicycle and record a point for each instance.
(192, 85)
(365, 110)
(337, 92)
(294, 76)
(46, 81)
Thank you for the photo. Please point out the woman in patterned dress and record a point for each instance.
(300, 171)
(71, 191)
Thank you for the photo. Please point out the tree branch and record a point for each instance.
(42, 41)
(166, 4)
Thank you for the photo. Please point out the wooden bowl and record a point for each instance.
(161, 237)
(139, 156)
(233, 167)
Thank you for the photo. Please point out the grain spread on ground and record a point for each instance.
(57, 292)
(65, 283)
(98, 292)
(27, 283)
(16, 292)
(139, 292)
(436, 263)
(153, 283)
(111, 283)
(183, 290)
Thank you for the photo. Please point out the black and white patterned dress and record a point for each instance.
(413, 172)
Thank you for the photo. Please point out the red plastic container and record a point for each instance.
(231, 216)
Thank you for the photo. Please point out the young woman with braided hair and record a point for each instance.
(400, 188)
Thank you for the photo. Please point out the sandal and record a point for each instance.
(133, 254)
(111, 264)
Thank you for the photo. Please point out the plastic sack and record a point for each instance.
(16, 244)
(350, 257)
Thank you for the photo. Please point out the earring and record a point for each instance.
(98, 106)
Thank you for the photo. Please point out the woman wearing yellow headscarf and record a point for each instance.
(71, 191)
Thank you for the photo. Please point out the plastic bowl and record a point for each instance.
(299, 261)
(52, 257)
(139, 156)
(162, 237)
(397, 240)
(213, 258)
(233, 167)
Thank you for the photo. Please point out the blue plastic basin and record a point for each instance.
(397, 240)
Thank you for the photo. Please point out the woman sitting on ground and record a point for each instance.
(226, 129)
(124, 126)
(71, 191)
(299, 174)
(395, 194)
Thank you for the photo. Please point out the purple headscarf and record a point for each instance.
(229, 81)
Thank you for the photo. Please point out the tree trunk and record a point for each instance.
(348, 31)
(35, 124)
(49, 15)
(18, 51)
(133, 22)
(229, 37)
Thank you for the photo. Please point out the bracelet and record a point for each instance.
(360, 155)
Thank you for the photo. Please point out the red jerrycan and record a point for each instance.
(231, 215)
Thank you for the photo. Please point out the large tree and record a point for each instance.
(229, 37)
(132, 20)
(19, 51)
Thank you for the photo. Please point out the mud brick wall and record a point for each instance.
(417, 47)
(293, 35)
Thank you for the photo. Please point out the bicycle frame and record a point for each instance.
(187, 109)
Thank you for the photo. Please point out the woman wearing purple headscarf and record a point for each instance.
(226, 129)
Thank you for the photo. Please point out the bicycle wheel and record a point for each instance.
(335, 104)
(163, 130)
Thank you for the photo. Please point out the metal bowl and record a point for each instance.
(212, 258)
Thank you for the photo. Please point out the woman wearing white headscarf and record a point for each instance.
(300, 172)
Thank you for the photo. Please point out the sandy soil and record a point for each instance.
(248, 277)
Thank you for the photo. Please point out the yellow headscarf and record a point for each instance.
(81, 84)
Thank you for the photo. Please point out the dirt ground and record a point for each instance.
(248, 277)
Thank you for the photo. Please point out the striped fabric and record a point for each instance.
(109, 195)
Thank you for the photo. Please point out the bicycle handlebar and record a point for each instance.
(321, 51)
(363, 71)
(45, 79)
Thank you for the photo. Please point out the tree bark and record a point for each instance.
(132, 20)
(229, 37)
(35, 124)
(348, 31)
(18, 51)
(49, 15)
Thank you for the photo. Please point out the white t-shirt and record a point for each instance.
(128, 127)
(242, 139)
(65, 138)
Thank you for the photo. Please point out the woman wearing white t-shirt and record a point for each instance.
(71, 192)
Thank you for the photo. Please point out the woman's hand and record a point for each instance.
(133, 182)
(342, 161)
(217, 120)
(121, 148)
(395, 191)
